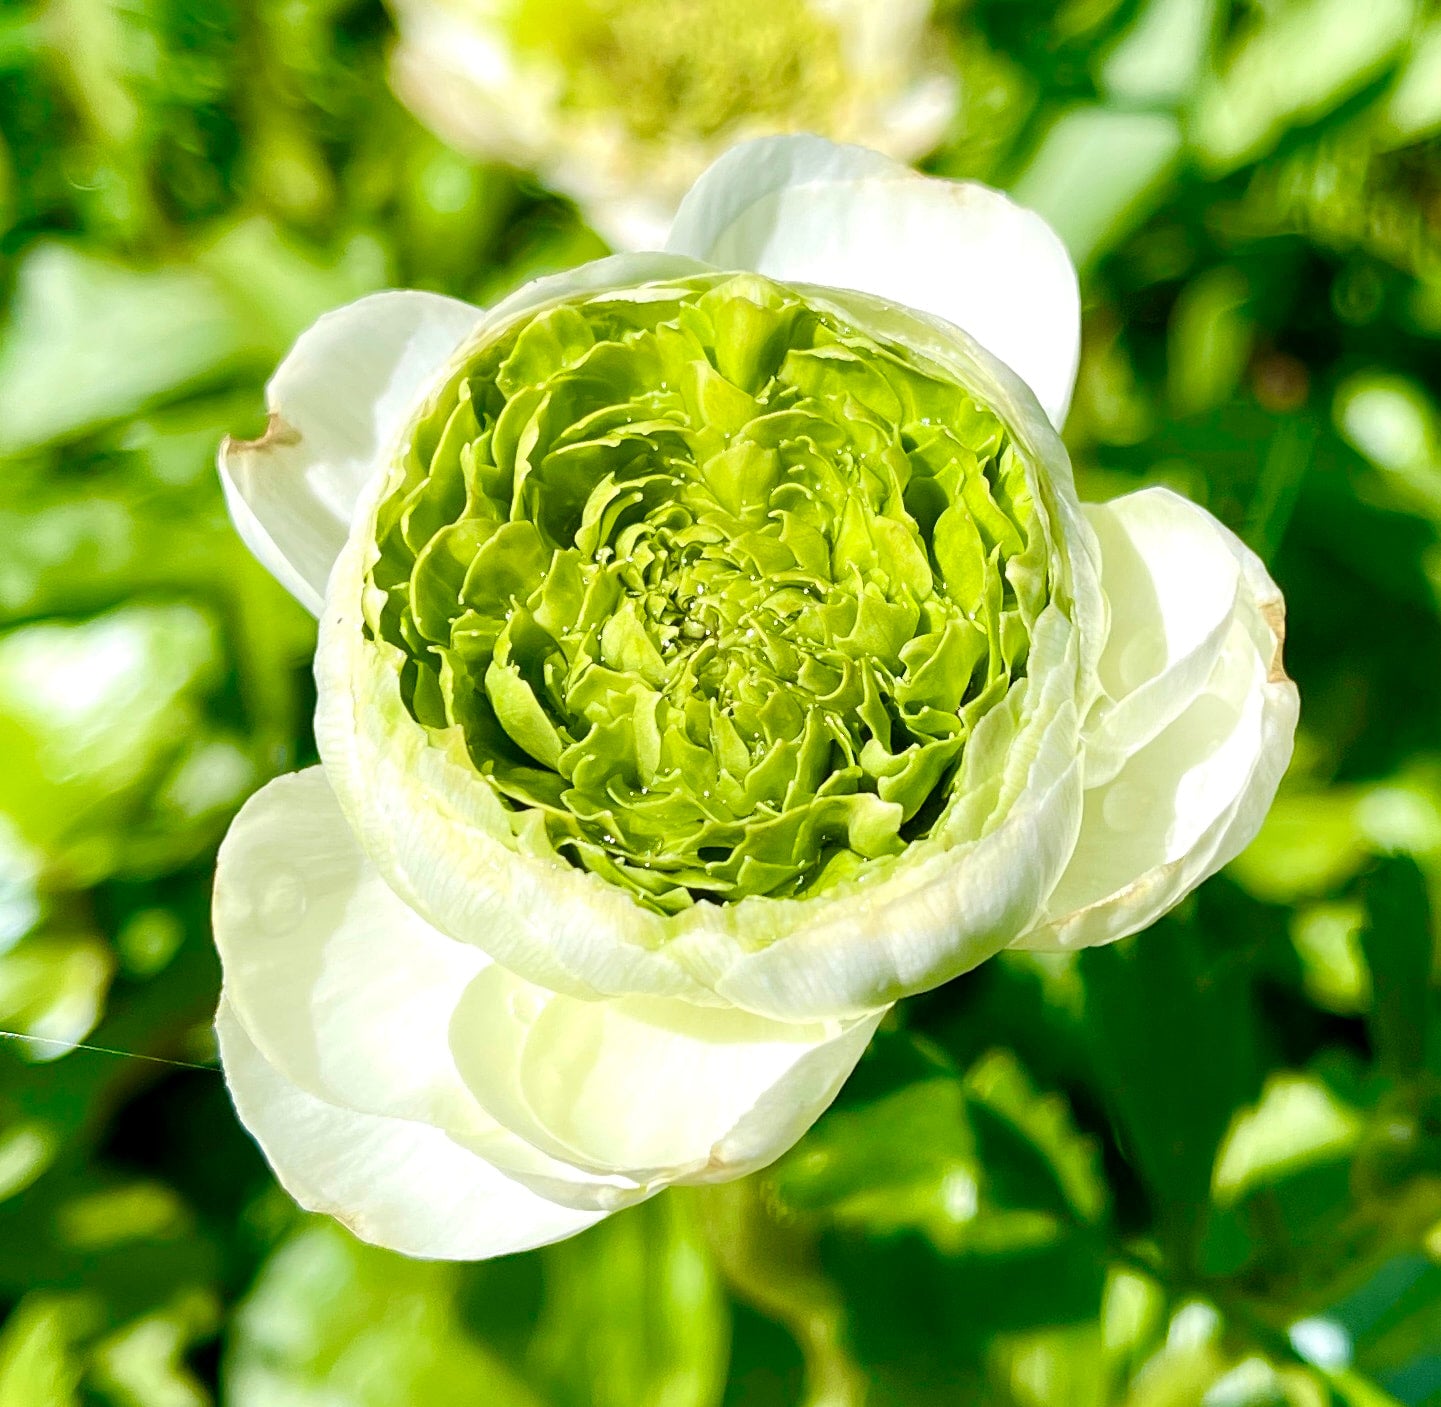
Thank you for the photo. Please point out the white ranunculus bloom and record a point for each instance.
(621, 104)
(712, 652)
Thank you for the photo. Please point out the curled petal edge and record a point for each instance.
(1248, 673)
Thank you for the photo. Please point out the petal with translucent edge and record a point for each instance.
(442, 840)
(1171, 614)
(343, 987)
(347, 992)
(659, 1090)
(338, 400)
(802, 209)
(1192, 795)
(394, 1183)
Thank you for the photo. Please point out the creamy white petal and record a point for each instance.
(394, 1183)
(802, 209)
(660, 1090)
(343, 987)
(1170, 611)
(338, 400)
(1190, 796)
(348, 993)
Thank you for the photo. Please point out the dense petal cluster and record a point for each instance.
(715, 585)
(712, 651)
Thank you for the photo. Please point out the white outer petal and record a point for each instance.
(397, 1184)
(351, 997)
(347, 993)
(802, 209)
(1192, 794)
(652, 1089)
(338, 400)
(344, 988)
(1171, 614)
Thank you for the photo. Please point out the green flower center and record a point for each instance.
(689, 66)
(714, 585)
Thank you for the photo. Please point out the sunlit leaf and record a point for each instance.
(634, 1316)
(331, 1320)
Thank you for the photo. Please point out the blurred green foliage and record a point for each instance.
(1202, 1167)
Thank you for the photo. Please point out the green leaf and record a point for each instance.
(112, 760)
(1172, 1037)
(634, 1315)
(1399, 951)
(906, 1160)
(1291, 66)
(52, 989)
(1098, 172)
(90, 341)
(1028, 1143)
(330, 1320)
(38, 1365)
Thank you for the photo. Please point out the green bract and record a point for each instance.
(713, 585)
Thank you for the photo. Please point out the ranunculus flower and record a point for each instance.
(621, 104)
(712, 651)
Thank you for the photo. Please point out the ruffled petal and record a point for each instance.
(394, 1183)
(804, 210)
(661, 1091)
(339, 398)
(1187, 790)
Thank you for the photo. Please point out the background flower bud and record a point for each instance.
(621, 105)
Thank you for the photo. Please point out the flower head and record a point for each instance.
(712, 651)
(622, 105)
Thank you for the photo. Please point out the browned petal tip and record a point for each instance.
(1274, 614)
(277, 432)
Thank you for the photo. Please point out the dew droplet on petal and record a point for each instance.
(1142, 657)
(282, 906)
(525, 1004)
(1127, 806)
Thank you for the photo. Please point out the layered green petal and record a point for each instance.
(713, 585)
(891, 906)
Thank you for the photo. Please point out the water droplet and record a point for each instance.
(526, 1004)
(282, 906)
(1126, 806)
(1143, 655)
